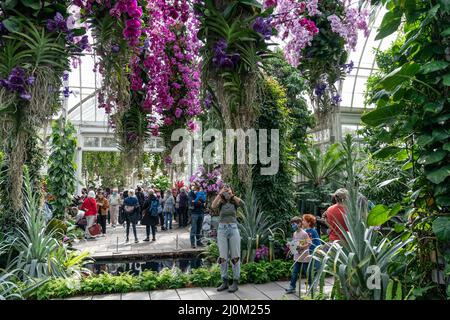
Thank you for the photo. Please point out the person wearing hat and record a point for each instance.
(335, 215)
(89, 206)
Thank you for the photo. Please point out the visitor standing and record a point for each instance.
(309, 225)
(161, 210)
(114, 204)
(131, 212)
(150, 215)
(197, 215)
(228, 237)
(191, 197)
(299, 247)
(103, 207)
(89, 206)
(140, 196)
(183, 207)
(335, 214)
(169, 209)
(176, 194)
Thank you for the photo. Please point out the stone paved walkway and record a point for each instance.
(113, 245)
(266, 291)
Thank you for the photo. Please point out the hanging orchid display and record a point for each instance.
(319, 36)
(37, 41)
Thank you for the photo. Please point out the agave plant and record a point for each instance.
(254, 225)
(40, 254)
(360, 261)
(9, 290)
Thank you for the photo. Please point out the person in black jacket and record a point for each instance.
(183, 208)
(191, 197)
(131, 211)
(150, 221)
(141, 198)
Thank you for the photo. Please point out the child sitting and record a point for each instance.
(300, 248)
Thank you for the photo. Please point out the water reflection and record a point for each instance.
(136, 267)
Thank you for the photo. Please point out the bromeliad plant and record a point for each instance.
(360, 261)
(37, 41)
(39, 254)
(254, 226)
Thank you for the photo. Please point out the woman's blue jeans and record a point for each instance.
(168, 220)
(229, 243)
(303, 268)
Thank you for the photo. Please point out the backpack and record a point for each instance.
(153, 209)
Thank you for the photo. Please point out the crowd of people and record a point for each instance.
(148, 206)
(152, 208)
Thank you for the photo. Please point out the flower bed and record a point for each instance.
(105, 283)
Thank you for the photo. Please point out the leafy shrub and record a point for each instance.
(41, 255)
(149, 280)
(257, 272)
(211, 254)
(278, 269)
(201, 277)
(59, 288)
(107, 283)
(179, 279)
(166, 279)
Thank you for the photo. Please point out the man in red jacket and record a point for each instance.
(335, 215)
(89, 206)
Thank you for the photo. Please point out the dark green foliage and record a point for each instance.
(104, 283)
(62, 168)
(274, 192)
(104, 166)
(300, 118)
(411, 120)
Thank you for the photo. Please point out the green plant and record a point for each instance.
(106, 167)
(254, 225)
(149, 280)
(57, 227)
(211, 253)
(42, 56)
(201, 277)
(40, 255)
(8, 287)
(59, 288)
(61, 178)
(161, 183)
(271, 190)
(107, 283)
(168, 278)
(353, 259)
(412, 115)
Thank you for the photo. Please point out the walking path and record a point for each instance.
(113, 246)
(266, 291)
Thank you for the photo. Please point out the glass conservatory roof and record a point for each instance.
(84, 80)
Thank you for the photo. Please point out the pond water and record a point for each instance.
(136, 267)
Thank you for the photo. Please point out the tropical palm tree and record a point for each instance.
(320, 167)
